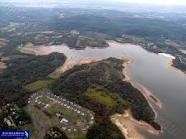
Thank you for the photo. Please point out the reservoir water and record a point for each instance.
(150, 70)
(167, 83)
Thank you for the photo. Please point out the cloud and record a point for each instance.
(153, 2)
(160, 2)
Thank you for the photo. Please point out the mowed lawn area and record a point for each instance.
(45, 117)
(54, 107)
(12, 57)
(46, 100)
(103, 96)
(72, 116)
(38, 85)
(41, 122)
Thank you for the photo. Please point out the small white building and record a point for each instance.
(7, 121)
(63, 120)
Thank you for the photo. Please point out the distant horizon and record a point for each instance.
(141, 2)
(156, 2)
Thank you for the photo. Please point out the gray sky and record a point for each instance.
(159, 2)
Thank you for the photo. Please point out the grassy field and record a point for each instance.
(54, 75)
(69, 114)
(38, 85)
(103, 96)
(41, 119)
(40, 122)
(12, 57)
(46, 100)
(79, 135)
(31, 129)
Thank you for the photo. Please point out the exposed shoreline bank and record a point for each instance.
(2, 66)
(130, 126)
(126, 122)
(170, 63)
(72, 61)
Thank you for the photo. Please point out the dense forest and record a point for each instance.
(22, 71)
(108, 73)
(20, 26)
(111, 22)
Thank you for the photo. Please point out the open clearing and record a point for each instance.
(48, 110)
(38, 85)
(12, 57)
(41, 122)
(102, 96)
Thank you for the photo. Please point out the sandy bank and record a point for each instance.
(170, 62)
(149, 95)
(129, 126)
(2, 65)
(70, 63)
(44, 50)
(167, 55)
(126, 123)
(170, 65)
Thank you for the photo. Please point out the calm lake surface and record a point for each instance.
(152, 71)
(168, 84)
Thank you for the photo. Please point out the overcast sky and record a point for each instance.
(159, 2)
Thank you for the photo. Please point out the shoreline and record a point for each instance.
(130, 126)
(71, 62)
(126, 122)
(132, 132)
(170, 63)
(179, 70)
(149, 95)
(173, 66)
(126, 126)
